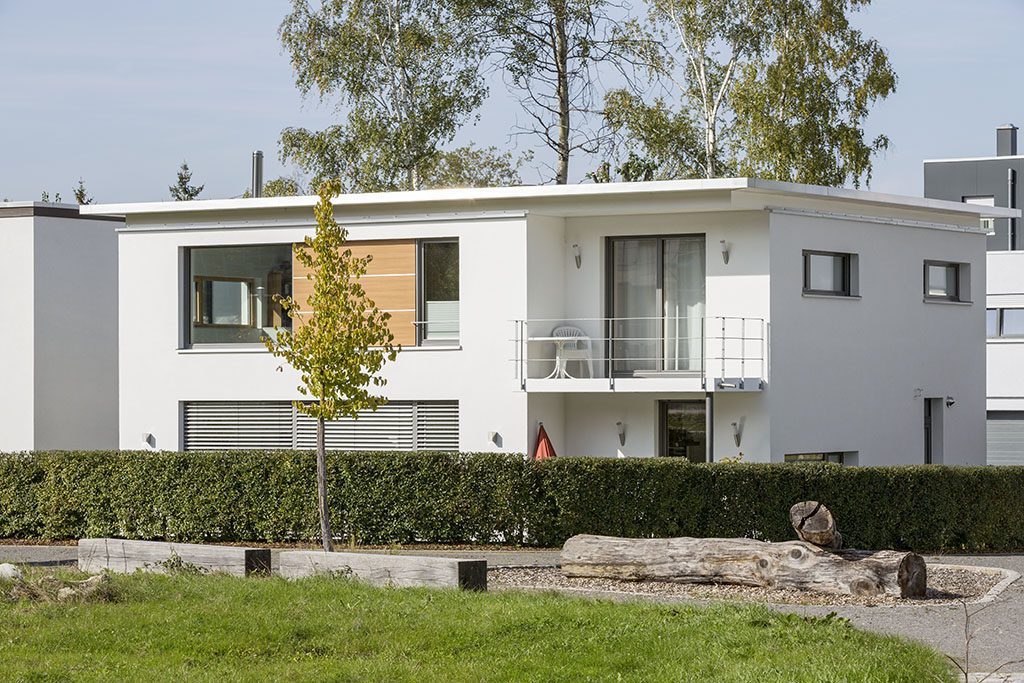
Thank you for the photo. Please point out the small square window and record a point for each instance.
(992, 322)
(942, 280)
(827, 273)
(1012, 323)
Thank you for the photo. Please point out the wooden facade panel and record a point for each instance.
(393, 293)
(390, 257)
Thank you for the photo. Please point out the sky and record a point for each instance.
(120, 92)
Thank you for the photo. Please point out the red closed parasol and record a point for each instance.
(543, 450)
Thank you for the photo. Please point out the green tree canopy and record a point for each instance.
(183, 190)
(407, 75)
(771, 89)
(81, 195)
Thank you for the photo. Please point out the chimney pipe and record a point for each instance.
(257, 174)
(1006, 140)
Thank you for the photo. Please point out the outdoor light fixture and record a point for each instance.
(577, 255)
(737, 433)
(725, 251)
(622, 433)
(950, 401)
(493, 437)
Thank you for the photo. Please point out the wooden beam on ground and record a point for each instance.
(118, 555)
(384, 570)
(746, 562)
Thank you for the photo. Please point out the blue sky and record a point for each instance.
(120, 92)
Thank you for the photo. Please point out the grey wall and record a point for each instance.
(954, 180)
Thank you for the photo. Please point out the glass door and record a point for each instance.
(656, 303)
(684, 430)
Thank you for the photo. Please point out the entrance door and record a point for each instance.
(928, 433)
(933, 431)
(684, 430)
(656, 303)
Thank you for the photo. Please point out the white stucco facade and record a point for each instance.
(60, 386)
(812, 375)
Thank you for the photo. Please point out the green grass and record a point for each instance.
(185, 628)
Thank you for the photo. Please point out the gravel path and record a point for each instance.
(946, 585)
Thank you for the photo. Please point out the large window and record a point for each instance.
(656, 306)
(684, 430)
(945, 281)
(1004, 322)
(439, 291)
(828, 273)
(231, 293)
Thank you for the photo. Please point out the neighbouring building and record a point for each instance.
(993, 181)
(702, 319)
(59, 386)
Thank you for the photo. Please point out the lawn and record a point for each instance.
(219, 628)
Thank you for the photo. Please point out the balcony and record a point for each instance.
(641, 354)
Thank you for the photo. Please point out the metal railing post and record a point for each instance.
(743, 352)
(611, 354)
(703, 354)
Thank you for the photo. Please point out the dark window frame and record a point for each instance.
(663, 408)
(957, 273)
(421, 304)
(847, 267)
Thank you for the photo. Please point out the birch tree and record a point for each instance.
(339, 340)
(404, 73)
(775, 89)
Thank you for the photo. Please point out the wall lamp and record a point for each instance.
(622, 433)
(737, 432)
(725, 251)
(950, 401)
(577, 255)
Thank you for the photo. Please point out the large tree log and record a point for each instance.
(813, 523)
(746, 562)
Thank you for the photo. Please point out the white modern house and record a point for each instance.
(59, 379)
(699, 319)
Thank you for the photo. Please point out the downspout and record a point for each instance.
(1011, 202)
(709, 426)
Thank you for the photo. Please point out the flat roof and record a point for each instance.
(1005, 157)
(543, 193)
(50, 210)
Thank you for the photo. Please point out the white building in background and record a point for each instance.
(59, 378)
(700, 319)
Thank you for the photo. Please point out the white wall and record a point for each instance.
(1005, 370)
(75, 334)
(155, 375)
(850, 374)
(17, 397)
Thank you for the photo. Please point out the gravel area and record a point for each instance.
(946, 585)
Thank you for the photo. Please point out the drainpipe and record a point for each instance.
(1011, 190)
(709, 426)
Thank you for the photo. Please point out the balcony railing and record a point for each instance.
(721, 352)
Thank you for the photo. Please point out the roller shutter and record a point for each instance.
(1005, 436)
(398, 426)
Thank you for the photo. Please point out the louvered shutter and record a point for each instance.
(437, 426)
(1005, 439)
(216, 425)
(395, 426)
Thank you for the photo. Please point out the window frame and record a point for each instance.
(421, 303)
(1000, 326)
(835, 457)
(847, 275)
(198, 298)
(957, 273)
(187, 289)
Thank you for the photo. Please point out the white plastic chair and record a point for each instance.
(576, 346)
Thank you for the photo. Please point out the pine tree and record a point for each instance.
(81, 196)
(182, 191)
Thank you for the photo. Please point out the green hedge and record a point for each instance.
(488, 498)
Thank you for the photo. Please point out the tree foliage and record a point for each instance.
(182, 190)
(339, 341)
(472, 166)
(81, 195)
(45, 197)
(282, 187)
(407, 73)
(772, 89)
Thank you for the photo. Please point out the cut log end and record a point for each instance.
(814, 523)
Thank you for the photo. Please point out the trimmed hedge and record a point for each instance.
(380, 498)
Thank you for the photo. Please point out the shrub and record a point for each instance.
(393, 497)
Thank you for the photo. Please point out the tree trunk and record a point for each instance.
(813, 523)
(746, 562)
(562, 64)
(321, 486)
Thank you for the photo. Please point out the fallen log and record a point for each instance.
(746, 562)
(814, 523)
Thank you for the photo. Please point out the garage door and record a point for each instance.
(1005, 438)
